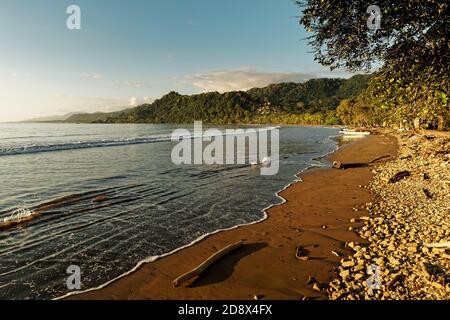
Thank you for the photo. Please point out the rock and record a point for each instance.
(316, 287)
(348, 264)
(412, 248)
(359, 276)
(394, 261)
(406, 214)
(344, 274)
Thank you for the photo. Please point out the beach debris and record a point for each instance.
(399, 176)
(316, 287)
(311, 280)
(101, 198)
(379, 158)
(340, 165)
(337, 164)
(301, 253)
(337, 254)
(196, 272)
(398, 277)
(438, 245)
(19, 216)
(427, 193)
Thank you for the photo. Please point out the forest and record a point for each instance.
(312, 102)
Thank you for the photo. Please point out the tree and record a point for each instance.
(412, 46)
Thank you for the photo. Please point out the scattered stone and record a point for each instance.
(406, 217)
(344, 274)
(348, 264)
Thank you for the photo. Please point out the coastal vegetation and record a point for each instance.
(410, 52)
(312, 102)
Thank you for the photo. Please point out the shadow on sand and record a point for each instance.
(224, 268)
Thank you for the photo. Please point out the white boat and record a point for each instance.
(347, 132)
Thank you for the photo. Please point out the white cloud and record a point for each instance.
(241, 79)
(92, 75)
(133, 101)
(130, 84)
(19, 74)
(134, 84)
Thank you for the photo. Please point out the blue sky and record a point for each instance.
(129, 52)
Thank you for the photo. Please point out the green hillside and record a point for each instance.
(313, 101)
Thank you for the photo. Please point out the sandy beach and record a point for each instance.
(317, 215)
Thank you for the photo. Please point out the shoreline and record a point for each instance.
(153, 280)
(296, 179)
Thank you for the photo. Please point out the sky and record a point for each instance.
(129, 52)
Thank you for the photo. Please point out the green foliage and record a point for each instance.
(312, 102)
(413, 46)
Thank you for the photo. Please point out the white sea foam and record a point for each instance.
(10, 150)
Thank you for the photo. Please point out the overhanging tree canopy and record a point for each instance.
(412, 46)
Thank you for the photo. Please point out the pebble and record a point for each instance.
(398, 225)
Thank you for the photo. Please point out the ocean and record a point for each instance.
(108, 198)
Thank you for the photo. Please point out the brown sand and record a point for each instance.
(266, 266)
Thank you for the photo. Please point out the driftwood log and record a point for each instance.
(206, 264)
(340, 165)
(301, 253)
(399, 176)
(443, 245)
(379, 158)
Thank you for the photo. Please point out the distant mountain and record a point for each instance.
(95, 117)
(275, 102)
(51, 118)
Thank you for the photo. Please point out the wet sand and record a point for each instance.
(317, 214)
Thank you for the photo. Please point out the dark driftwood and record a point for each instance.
(301, 253)
(379, 158)
(340, 165)
(397, 278)
(427, 193)
(399, 176)
(206, 264)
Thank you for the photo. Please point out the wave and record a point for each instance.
(64, 146)
(17, 217)
(296, 179)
